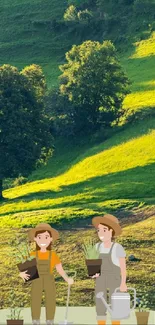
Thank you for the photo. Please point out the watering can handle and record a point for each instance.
(134, 290)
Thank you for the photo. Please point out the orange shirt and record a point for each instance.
(45, 255)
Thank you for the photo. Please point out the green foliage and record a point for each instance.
(36, 79)
(70, 13)
(60, 111)
(144, 7)
(85, 15)
(20, 251)
(80, 3)
(94, 83)
(142, 302)
(25, 139)
(15, 312)
(89, 250)
(19, 181)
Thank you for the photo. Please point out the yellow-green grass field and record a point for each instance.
(138, 64)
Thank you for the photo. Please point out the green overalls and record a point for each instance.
(46, 283)
(110, 278)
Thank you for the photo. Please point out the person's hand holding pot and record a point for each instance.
(24, 275)
(95, 275)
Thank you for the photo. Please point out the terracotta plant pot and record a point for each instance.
(31, 267)
(94, 266)
(15, 321)
(142, 317)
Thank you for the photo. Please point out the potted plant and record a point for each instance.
(142, 314)
(15, 317)
(91, 254)
(24, 260)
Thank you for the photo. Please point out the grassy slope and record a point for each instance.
(23, 40)
(139, 64)
(114, 175)
(81, 181)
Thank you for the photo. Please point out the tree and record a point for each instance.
(61, 115)
(25, 140)
(94, 82)
(36, 80)
(70, 13)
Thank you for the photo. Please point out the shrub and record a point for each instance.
(85, 15)
(19, 181)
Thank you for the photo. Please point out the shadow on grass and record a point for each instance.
(132, 184)
(139, 178)
(66, 156)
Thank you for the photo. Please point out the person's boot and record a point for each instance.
(115, 322)
(101, 322)
(36, 322)
(49, 322)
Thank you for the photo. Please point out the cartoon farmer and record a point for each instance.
(44, 235)
(113, 268)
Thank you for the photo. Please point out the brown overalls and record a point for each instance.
(46, 283)
(110, 278)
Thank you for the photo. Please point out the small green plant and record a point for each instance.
(142, 303)
(20, 251)
(89, 249)
(14, 311)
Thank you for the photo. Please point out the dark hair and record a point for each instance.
(113, 231)
(41, 232)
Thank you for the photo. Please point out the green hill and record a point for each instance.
(34, 32)
(83, 180)
(115, 174)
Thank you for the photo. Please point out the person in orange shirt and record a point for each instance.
(43, 234)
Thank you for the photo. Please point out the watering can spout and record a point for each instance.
(100, 296)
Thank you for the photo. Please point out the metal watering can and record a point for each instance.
(120, 304)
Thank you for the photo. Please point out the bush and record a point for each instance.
(85, 15)
(19, 181)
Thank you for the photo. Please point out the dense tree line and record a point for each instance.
(25, 138)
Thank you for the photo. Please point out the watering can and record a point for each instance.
(120, 304)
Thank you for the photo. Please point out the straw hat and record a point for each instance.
(108, 220)
(43, 226)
